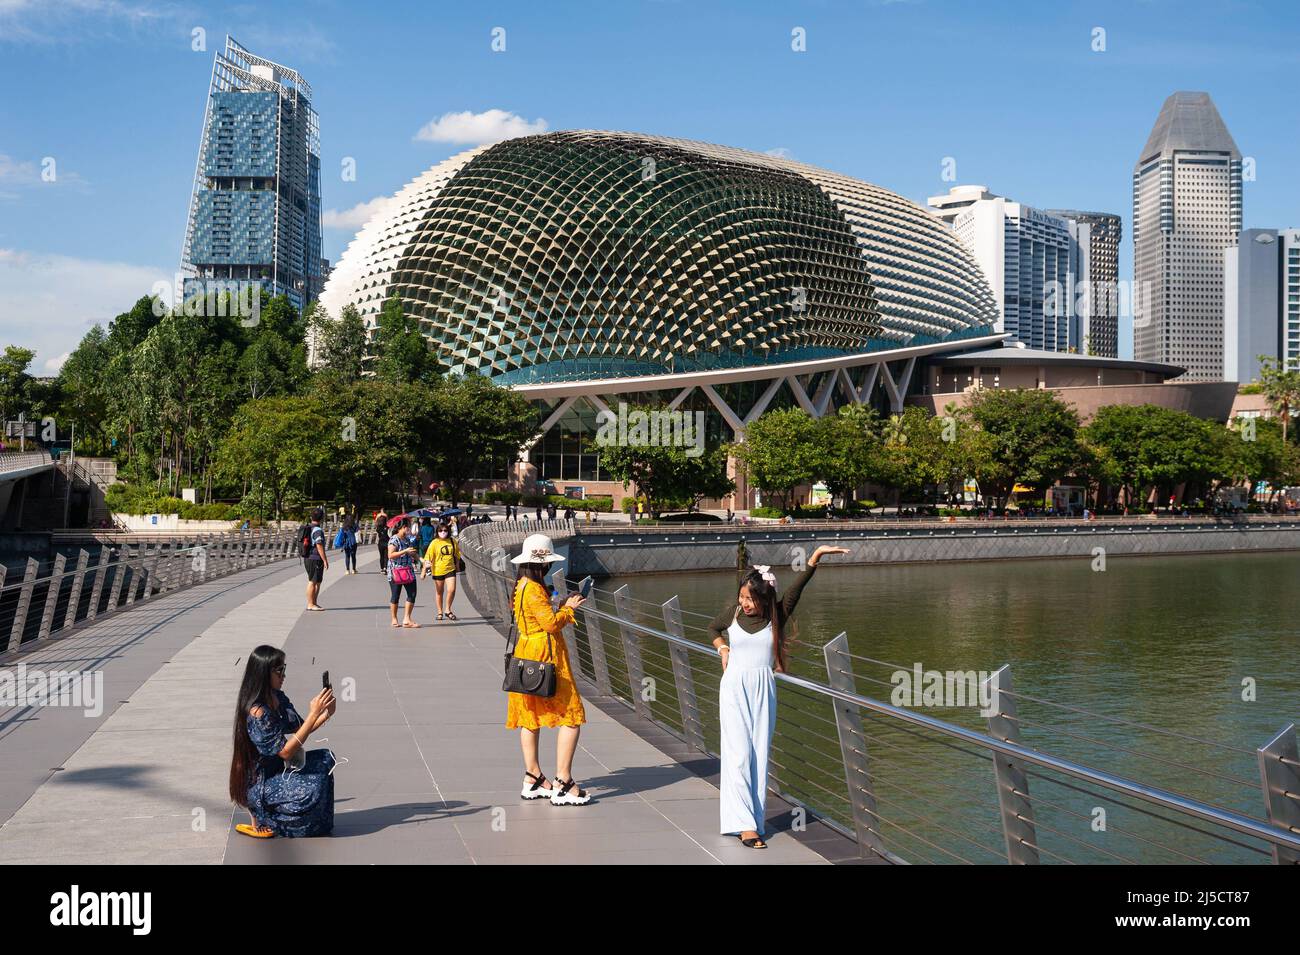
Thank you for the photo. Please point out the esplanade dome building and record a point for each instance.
(586, 268)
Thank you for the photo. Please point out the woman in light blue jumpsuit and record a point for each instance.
(750, 637)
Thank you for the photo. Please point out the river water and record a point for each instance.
(1200, 646)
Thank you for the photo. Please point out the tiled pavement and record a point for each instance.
(432, 775)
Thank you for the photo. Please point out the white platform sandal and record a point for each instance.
(569, 794)
(535, 791)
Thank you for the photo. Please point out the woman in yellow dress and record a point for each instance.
(541, 637)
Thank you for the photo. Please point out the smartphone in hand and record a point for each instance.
(585, 589)
(325, 680)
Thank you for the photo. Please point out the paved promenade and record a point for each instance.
(432, 776)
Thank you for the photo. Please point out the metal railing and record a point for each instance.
(909, 787)
(23, 460)
(88, 591)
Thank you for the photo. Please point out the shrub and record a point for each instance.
(601, 504)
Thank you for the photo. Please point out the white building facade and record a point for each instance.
(1031, 260)
(1261, 307)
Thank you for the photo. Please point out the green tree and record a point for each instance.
(274, 358)
(1280, 382)
(851, 447)
(780, 452)
(403, 352)
(1146, 447)
(376, 434)
(471, 423)
(87, 392)
(911, 452)
(14, 381)
(277, 441)
(340, 345)
(1035, 437)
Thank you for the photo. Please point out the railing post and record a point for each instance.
(205, 565)
(133, 567)
(245, 546)
(853, 747)
(101, 571)
(683, 676)
(1012, 782)
(51, 597)
(632, 653)
(24, 604)
(1279, 772)
(74, 595)
(198, 562)
(596, 645)
(167, 567)
(151, 571)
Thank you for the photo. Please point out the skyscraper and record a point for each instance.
(1186, 211)
(255, 215)
(1030, 259)
(1261, 315)
(1096, 302)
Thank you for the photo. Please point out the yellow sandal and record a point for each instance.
(263, 832)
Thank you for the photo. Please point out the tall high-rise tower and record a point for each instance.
(1096, 300)
(255, 215)
(1186, 211)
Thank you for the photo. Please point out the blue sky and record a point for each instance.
(1013, 92)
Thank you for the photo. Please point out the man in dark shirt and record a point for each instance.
(316, 563)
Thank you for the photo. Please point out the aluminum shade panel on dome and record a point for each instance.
(593, 254)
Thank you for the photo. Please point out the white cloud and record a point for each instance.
(780, 152)
(52, 365)
(478, 129)
(29, 174)
(357, 216)
(48, 302)
(72, 21)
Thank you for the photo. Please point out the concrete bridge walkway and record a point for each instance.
(432, 775)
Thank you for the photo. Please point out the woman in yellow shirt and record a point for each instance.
(442, 560)
(541, 637)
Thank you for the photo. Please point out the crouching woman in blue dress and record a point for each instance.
(286, 790)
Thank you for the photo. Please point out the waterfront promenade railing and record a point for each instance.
(905, 785)
(42, 603)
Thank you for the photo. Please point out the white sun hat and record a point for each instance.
(537, 550)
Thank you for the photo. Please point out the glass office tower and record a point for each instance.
(255, 216)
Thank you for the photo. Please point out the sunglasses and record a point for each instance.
(281, 669)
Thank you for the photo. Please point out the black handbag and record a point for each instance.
(530, 677)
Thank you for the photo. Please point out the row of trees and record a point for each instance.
(1009, 438)
(187, 399)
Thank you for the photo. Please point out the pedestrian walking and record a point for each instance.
(381, 539)
(443, 561)
(402, 556)
(346, 541)
(312, 547)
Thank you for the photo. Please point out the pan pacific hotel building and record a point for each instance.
(586, 269)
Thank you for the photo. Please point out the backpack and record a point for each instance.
(304, 540)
